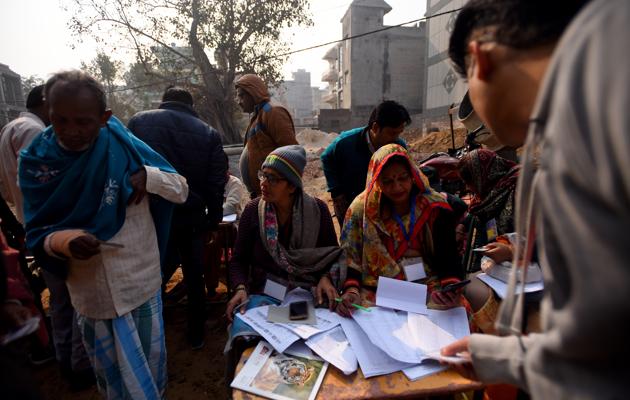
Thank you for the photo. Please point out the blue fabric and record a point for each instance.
(240, 327)
(89, 189)
(345, 163)
(265, 107)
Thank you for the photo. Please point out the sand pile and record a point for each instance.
(314, 179)
(313, 139)
(315, 142)
(423, 146)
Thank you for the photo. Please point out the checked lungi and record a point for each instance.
(128, 353)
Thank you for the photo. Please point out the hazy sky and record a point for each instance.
(36, 40)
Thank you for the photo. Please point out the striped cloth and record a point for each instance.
(128, 353)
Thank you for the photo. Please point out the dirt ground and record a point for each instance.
(192, 374)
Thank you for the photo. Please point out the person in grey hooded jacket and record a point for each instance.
(573, 94)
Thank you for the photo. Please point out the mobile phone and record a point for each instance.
(298, 310)
(455, 286)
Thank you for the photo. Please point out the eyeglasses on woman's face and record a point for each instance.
(269, 178)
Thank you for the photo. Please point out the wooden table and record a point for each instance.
(338, 386)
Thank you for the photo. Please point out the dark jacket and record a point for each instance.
(175, 131)
(345, 163)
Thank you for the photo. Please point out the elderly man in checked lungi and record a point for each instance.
(97, 205)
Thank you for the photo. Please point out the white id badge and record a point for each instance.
(414, 269)
(275, 290)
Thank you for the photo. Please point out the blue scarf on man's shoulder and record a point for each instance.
(87, 190)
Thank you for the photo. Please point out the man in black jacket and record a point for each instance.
(175, 131)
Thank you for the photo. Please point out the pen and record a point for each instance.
(110, 244)
(358, 307)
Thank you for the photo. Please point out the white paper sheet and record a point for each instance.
(300, 349)
(326, 320)
(454, 321)
(438, 329)
(373, 361)
(501, 287)
(426, 368)
(389, 330)
(334, 347)
(278, 336)
(401, 295)
(414, 272)
(275, 290)
(229, 218)
(27, 328)
(297, 294)
(456, 359)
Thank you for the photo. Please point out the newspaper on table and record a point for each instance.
(373, 361)
(334, 347)
(279, 376)
(278, 336)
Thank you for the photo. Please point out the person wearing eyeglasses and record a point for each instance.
(285, 239)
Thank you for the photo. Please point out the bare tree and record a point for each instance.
(29, 82)
(110, 72)
(222, 39)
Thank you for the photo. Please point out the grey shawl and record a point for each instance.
(303, 261)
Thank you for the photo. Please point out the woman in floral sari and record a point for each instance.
(398, 221)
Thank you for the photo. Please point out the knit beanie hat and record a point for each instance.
(289, 161)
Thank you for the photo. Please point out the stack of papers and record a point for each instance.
(438, 328)
(390, 331)
(381, 341)
(426, 368)
(279, 337)
(334, 347)
(326, 320)
(373, 361)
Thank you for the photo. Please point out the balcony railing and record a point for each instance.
(330, 75)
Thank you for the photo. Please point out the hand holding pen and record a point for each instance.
(349, 302)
